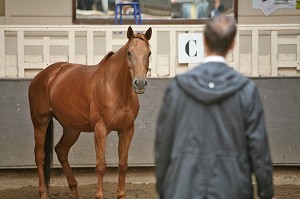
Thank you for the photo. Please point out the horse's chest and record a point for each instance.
(117, 112)
(122, 118)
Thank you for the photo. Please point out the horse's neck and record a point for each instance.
(116, 71)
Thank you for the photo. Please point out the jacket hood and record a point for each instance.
(211, 82)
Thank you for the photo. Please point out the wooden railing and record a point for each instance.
(261, 50)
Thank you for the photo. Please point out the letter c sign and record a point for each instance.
(190, 48)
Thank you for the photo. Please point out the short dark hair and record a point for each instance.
(219, 33)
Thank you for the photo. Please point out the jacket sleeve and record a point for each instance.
(164, 138)
(258, 146)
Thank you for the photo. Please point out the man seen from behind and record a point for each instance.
(211, 134)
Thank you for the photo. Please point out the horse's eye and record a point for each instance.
(128, 53)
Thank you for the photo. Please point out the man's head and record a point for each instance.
(219, 34)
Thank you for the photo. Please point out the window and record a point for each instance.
(2, 8)
(152, 11)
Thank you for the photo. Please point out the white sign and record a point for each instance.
(270, 6)
(190, 48)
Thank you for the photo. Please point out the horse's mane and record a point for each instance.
(106, 57)
(141, 36)
(138, 36)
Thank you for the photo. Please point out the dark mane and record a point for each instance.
(108, 55)
(141, 36)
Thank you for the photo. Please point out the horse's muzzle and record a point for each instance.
(139, 86)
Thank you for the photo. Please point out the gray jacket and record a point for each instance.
(211, 137)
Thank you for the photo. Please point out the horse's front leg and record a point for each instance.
(125, 137)
(100, 144)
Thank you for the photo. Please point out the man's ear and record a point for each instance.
(232, 45)
(206, 49)
(129, 32)
(204, 40)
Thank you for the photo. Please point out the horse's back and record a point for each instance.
(48, 76)
(42, 78)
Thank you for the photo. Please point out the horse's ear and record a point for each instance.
(148, 33)
(129, 32)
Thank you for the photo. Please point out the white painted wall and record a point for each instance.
(261, 50)
(57, 12)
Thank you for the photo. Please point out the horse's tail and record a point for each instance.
(48, 153)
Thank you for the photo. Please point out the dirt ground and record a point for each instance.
(139, 186)
(133, 191)
(141, 191)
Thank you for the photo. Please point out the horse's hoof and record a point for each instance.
(121, 196)
(44, 196)
(73, 194)
(73, 197)
(99, 197)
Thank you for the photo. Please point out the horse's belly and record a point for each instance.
(82, 126)
(74, 119)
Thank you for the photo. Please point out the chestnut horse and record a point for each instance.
(100, 99)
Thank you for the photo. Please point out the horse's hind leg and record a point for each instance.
(40, 135)
(41, 117)
(62, 149)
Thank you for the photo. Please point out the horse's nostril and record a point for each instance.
(136, 83)
(140, 83)
(139, 86)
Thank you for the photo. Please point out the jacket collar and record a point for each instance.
(214, 59)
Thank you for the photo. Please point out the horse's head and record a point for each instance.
(138, 54)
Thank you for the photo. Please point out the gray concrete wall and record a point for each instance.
(281, 98)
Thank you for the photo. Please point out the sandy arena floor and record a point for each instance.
(140, 184)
